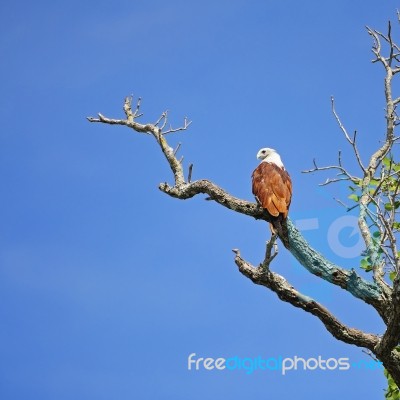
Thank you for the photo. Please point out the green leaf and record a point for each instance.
(386, 162)
(392, 392)
(376, 234)
(374, 182)
(354, 197)
(392, 275)
(388, 207)
(364, 264)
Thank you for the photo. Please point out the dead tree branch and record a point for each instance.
(286, 292)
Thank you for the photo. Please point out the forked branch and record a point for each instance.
(286, 292)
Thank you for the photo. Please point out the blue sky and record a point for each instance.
(106, 284)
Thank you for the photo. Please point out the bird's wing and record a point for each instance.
(273, 188)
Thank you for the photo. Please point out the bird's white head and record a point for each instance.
(270, 155)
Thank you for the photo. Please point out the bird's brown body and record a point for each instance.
(272, 187)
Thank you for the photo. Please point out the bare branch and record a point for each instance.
(177, 148)
(131, 124)
(190, 173)
(332, 180)
(131, 116)
(356, 152)
(286, 292)
(391, 337)
(346, 135)
(186, 124)
(136, 114)
(343, 173)
(390, 43)
(163, 117)
(269, 255)
(342, 204)
(152, 129)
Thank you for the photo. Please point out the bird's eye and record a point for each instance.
(263, 152)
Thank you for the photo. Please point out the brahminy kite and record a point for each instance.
(272, 188)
